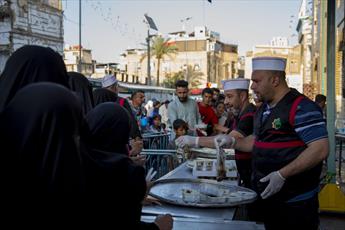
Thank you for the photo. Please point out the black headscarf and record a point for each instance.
(112, 179)
(104, 95)
(109, 125)
(40, 130)
(79, 84)
(31, 64)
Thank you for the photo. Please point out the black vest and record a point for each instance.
(277, 144)
(249, 111)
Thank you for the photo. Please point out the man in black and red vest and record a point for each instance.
(236, 92)
(290, 142)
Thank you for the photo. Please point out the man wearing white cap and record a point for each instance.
(290, 142)
(110, 82)
(109, 93)
(236, 92)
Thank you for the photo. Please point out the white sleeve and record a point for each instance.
(172, 113)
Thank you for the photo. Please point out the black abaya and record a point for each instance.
(30, 64)
(82, 87)
(109, 125)
(40, 130)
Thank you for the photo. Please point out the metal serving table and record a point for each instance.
(198, 214)
(203, 224)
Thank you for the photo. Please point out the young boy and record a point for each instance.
(156, 124)
(180, 128)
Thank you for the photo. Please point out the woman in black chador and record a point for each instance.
(41, 165)
(109, 126)
(30, 64)
(111, 177)
(82, 87)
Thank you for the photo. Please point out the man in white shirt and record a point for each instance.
(163, 111)
(184, 108)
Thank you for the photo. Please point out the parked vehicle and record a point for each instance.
(126, 89)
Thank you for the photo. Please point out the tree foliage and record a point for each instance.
(161, 48)
(192, 76)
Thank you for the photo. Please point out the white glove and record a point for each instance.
(276, 182)
(150, 175)
(224, 140)
(187, 140)
(200, 126)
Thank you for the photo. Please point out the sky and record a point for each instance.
(109, 27)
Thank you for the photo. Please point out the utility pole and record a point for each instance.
(331, 86)
(148, 58)
(79, 63)
(151, 25)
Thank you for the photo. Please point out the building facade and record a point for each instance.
(200, 51)
(319, 49)
(71, 58)
(319, 54)
(30, 23)
(102, 69)
(340, 57)
(304, 29)
(280, 49)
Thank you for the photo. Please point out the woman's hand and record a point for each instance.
(137, 146)
(139, 159)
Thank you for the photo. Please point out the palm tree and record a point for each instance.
(193, 77)
(160, 48)
(171, 79)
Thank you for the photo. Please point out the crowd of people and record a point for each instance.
(67, 153)
(68, 146)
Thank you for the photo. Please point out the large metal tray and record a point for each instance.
(170, 191)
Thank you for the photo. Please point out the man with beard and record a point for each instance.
(290, 142)
(237, 98)
(184, 107)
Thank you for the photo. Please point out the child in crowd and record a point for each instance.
(180, 128)
(164, 128)
(156, 124)
(221, 113)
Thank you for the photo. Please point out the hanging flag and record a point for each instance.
(170, 43)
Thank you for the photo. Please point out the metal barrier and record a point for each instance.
(340, 139)
(163, 161)
(156, 141)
